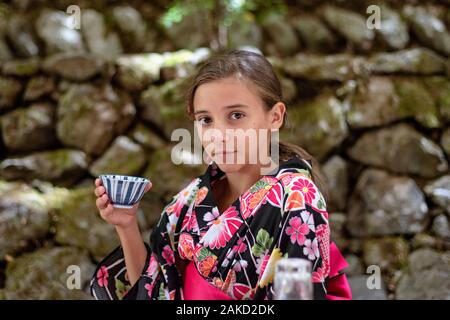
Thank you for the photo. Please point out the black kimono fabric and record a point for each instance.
(283, 215)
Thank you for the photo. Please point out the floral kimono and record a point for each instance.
(283, 215)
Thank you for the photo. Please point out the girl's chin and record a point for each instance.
(230, 167)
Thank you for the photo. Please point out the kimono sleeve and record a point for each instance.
(305, 230)
(110, 280)
(338, 285)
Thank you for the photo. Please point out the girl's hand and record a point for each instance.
(119, 217)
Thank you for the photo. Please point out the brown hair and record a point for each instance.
(257, 70)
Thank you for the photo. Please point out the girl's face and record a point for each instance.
(233, 124)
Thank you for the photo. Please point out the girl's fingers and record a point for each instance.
(105, 197)
(99, 191)
(98, 182)
(109, 208)
(100, 203)
(148, 186)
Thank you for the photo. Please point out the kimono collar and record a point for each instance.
(245, 204)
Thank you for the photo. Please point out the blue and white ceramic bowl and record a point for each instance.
(124, 191)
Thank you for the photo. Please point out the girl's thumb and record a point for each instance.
(148, 186)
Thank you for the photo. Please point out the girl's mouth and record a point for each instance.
(223, 153)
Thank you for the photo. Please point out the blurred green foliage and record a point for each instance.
(222, 13)
(229, 10)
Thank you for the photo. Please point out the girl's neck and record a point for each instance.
(240, 181)
(231, 185)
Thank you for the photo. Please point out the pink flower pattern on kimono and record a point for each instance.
(149, 288)
(152, 266)
(306, 187)
(186, 246)
(182, 198)
(240, 247)
(319, 275)
(240, 290)
(262, 263)
(239, 265)
(168, 255)
(190, 221)
(221, 227)
(297, 230)
(102, 276)
(275, 196)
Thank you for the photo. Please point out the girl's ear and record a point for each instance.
(277, 115)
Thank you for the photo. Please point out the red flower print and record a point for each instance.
(318, 275)
(297, 230)
(206, 265)
(306, 187)
(256, 199)
(201, 195)
(221, 228)
(149, 288)
(182, 198)
(295, 201)
(286, 178)
(249, 201)
(243, 199)
(186, 246)
(152, 266)
(168, 255)
(102, 276)
(275, 196)
(178, 205)
(262, 263)
(190, 221)
(217, 282)
(229, 281)
(269, 179)
(240, 290)
(240, 247)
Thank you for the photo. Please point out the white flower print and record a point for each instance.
(311, 249)
(308, 218)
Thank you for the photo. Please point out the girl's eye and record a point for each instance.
(237, 115)
(203, 121)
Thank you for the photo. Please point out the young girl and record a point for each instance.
(221, 236)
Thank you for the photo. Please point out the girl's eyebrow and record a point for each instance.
(232, 106)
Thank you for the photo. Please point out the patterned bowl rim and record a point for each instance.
(121, 177)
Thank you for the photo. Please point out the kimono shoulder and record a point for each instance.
(300, 190)
(184, 197)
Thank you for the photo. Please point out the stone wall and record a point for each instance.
(372, 105)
